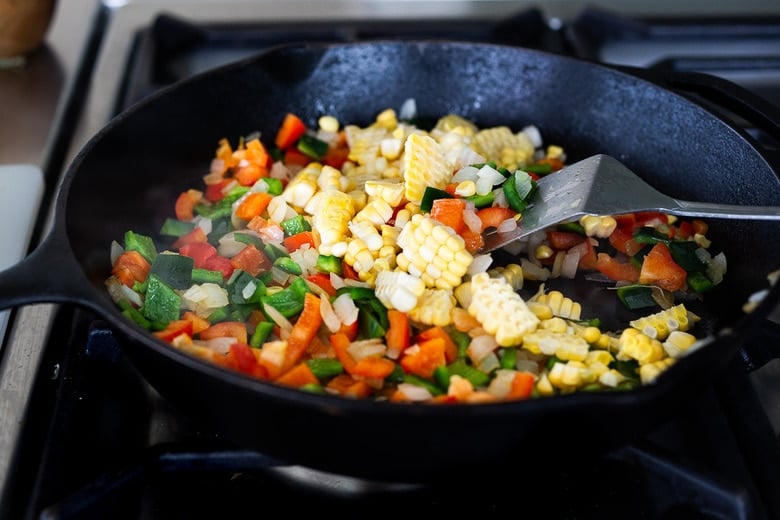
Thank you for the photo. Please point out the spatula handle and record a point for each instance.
(729, 211)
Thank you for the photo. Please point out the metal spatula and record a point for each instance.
(602, 185)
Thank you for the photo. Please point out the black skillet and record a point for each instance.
(129, 174)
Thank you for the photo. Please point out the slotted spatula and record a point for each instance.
(602, 185)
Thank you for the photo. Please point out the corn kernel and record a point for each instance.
(328, 124)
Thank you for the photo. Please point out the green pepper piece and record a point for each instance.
(314, 388)
(508, 358)
(441, 374)
(289, 301)
(462, 340)
(288, 265)
(261, 333)
(552, 360)
(141, 243)
(275, 186)
(571, 227)
(628, 368)
(273, 252)
(174, 270)
(699, 282)
(649, 235)
(219, 227)
(429, 195)
(324, 368)
(243, 288)
(173, 227)
(474, 375)
(312, 146)
(162, 303)
(293, 226)
(539, 168)
(207, 276)
(425, 383)
(637, 296)
(329, 264)
(221, 314)
(246, 238)
(684, 255)
(396, 376)
(481, 201)
(133, 314)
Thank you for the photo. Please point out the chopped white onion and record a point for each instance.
(229, 246)
(481, 346)
(119, 291)
(467, 173)
(414, 392)
(501, 383)
(345, 309)
(472, 221)
(329, 317)
(531, 271)
(533, 135)
(278, 318)
(204, 223)
(507, 225)
(116, 251)
(570, 263)
(480, 264)
(220, 344)
(408, 109)
(367, 348)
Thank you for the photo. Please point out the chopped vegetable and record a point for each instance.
(346, 261)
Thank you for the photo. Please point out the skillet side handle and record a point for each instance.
(754, 109)
(50, 274)
(760, 345)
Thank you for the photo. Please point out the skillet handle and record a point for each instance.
(760, 345)
(50, 274)
(744, 104)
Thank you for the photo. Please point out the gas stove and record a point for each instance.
(94, 440)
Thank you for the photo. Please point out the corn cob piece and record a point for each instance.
(331, 215)
(456, 123)
(560, 304)
(563, 345)
(512, 273)
(398, 290)
(660, 324)
(364, 143)
(424, 165)
(568, 376)
(500, 310)
(650, 372)
(303, 186)
(434, 307)
(377, 212)
(433, 252)
(390, 192)
(506, 148)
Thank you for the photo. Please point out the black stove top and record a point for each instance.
(98, 442)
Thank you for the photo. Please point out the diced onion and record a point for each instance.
(367, 348)
(408, 109)
(570, 262)
(481, 346)
(414, 392)
(220, 344)
(507, 225)
(472, 221)
(278, 318)
(345, 309)
(119, 291)
(329, 317)
(229, 246)
(116, 250)
(480, 264)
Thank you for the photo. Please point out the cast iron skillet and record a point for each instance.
(129, 174)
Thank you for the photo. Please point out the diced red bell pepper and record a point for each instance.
(196, 235)
(494, 216)
(322, 281)
(246, 362)
(398, 333)
(297, 240)
(622, 239)
(304, 329)
(564, 240)
(219, 263)
(251, 260)
(659, 268)
(226, 329)
(173, 329)
(185, 204)
(449, 212)
(615, 269)
(423, 360)
(215, 192)
(200, 252)
(130, 267)
(291, 129)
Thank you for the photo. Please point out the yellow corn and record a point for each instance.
(303, 186)
(331, 179)
(453, 122)
(332, 213)
(434, 307)
(649, 372)
(554, 324)
(563, 345)
(398, 290)
(560, 304)
(660, 324)
(512, 273)
(639, 346)
(424, 164)
(598, 226)
(377, 212)
(433, 252)
(390, 192)
(611, 378)
(543, 385)
(500, 310)
(678, 343)
(506, 148)
(328, 124)
(364, 143)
